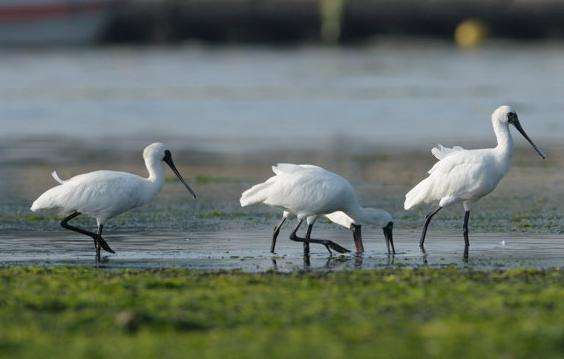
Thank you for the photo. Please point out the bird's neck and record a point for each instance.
(156, 173)
(504, 140)
(356, 212)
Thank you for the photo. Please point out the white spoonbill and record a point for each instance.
(468, 175)
(106, 194)
(308, 191)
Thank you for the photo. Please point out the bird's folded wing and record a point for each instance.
(459, 174)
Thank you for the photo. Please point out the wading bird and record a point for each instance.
(106, 194)
(468, 175)
(378, 217)
(307, 192)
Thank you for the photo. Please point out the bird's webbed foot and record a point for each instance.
(327, 243)
(103, 244)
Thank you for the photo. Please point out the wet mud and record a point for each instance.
(249, 251)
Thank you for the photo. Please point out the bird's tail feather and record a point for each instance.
(255, 194)
(418, 194)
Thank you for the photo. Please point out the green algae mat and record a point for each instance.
(448, 312)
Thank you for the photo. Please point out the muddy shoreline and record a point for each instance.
(248, 251)
(525, 211)
(528, 200)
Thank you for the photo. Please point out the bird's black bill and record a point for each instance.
(337, 248)
(357, 235)
(168, 160)
(389, 235)
(519, 128)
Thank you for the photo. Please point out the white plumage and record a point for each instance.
(100, 194)
(106, 194)
(460, 175)
(304, 190)
(308, 191)
(465, 176)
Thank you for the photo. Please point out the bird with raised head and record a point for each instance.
(465, 176)
(105, 194)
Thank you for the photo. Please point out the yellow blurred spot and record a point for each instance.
(331, 19)
(470, 33)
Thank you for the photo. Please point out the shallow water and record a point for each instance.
(228, 250)
(238, 98)
(329, 106)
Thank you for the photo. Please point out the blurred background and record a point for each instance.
(364, 87)
(236, 75)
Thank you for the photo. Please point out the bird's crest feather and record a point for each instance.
(441, 151)
(56, 177)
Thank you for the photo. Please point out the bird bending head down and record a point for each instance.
(373, 216)
(377, 217)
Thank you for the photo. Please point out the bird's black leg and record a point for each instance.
(275, 234)
(103, 244)
(98, 240)
(427, 221)
(307, 263)
(389, 236)
(325, 242)
(294, 236)
(98, 247)
(307, 239)
(392, 245)
(465, 231)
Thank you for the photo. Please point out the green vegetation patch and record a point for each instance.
(208, 179)
(223, 215)
(84, 312)
(28, 217)
(205, 179)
